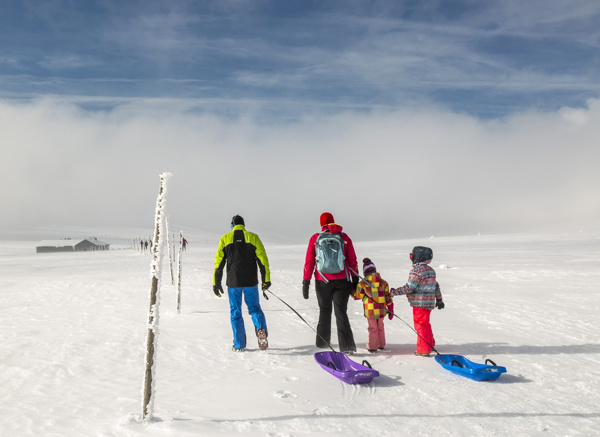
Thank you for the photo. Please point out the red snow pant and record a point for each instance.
(376, 334)
(423, 328)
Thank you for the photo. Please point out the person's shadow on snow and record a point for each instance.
(508, 349)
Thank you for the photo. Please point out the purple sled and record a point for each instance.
(343, 368)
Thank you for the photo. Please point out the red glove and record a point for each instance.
(390, 309)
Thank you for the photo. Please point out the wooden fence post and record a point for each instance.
(179, 272)
(171, 254)
(151, 339)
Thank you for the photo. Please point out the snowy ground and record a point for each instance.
(72, 330)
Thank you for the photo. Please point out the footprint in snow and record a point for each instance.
(284, 394)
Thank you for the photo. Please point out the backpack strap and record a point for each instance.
(348, 277)
(323, 278)
(346, 268)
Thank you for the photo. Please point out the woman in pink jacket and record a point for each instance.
(333, 289)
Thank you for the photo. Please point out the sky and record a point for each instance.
(402, 118)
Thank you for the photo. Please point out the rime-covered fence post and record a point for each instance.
(173, 243)
(152, 336)
(171, 253)
(179, 272)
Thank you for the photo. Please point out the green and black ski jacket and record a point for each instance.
(242, 252)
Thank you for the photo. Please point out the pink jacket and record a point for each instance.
(311, 253)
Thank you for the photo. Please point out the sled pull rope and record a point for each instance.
(302, 318)
(490, 361)
(392, 313)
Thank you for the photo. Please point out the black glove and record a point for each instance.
(305, 286)
(265, 286)
(439, 303)
(218, 290)
(354, 283)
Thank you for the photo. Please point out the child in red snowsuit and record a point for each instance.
(423, 293)
(376, 297)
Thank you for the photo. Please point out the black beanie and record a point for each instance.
(421, 254)
(237, 220)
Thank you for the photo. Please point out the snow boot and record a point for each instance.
(263, 343)
(238, 349)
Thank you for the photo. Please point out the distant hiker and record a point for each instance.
(376, 298)
(146, 245)
(334, 281)
(142, 245)
(423, 293)
(242, 252)
(184, 243)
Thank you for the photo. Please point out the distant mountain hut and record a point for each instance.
(69, 245)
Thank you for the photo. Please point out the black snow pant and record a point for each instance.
(334, 295)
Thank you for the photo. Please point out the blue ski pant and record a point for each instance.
(251, 297)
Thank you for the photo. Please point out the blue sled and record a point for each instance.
(343, 368)
(478, 372)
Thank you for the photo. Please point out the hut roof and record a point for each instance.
(69, 242)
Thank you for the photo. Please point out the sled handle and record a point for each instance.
(486, 361)
(367, 364)
(456, 363)
(331, 365)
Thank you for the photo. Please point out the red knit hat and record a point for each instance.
(326, 219)
(368, 267)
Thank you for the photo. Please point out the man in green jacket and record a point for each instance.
(243, 254)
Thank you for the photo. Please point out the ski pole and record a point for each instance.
(392, 313)
(302, 318)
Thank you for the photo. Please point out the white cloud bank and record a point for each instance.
(382, 174)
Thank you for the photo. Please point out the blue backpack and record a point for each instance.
(330, 256)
